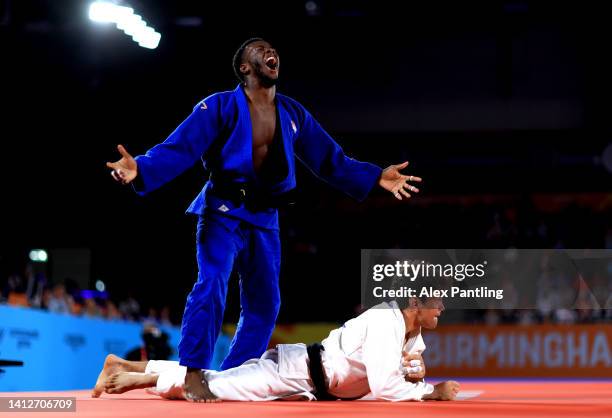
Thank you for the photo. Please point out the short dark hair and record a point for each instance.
(238, 56)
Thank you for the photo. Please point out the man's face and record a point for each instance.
(429, 311)
(59, 291)
(261, 60)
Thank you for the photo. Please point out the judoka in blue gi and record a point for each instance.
(249, 139)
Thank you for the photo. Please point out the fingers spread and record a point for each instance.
(405, 193)
(123, 151)
(410, 188)
(119, 175)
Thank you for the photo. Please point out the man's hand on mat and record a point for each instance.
(397, 183)
(413, 367)
(124, 170)
(445, 391)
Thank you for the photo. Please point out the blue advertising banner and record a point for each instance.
(60, 351)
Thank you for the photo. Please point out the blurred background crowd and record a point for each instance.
(66, 297)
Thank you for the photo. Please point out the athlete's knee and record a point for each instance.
(209, 287)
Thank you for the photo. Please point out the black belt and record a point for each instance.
(253, 197)
(317, 373)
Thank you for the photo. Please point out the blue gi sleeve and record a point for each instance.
(181, 149)
(326, 159)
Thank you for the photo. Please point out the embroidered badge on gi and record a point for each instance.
(223, 208)
(203, 106)
(293, 127)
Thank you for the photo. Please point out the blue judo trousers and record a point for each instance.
(231, 235)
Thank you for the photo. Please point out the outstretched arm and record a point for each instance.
(326, 159)
(322, 155)
(176, 154)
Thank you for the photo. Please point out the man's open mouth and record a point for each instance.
(271, 63)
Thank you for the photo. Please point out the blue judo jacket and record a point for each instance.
(225, 117)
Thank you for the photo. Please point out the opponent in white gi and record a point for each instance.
(375, 356)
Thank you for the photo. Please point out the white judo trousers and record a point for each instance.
(262, 379)
(361, 360)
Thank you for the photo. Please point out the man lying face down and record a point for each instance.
(375, 356)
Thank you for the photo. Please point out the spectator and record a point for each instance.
(59, 301)
(565, 316)
(151, 317)
(36, 292)
(112, 312)
(91, 309)
(16, 291)
(130, 308)
(164, 317)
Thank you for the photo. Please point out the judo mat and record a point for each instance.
(557, 399)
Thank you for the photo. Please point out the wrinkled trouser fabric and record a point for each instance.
(263, 379)
(224, 243)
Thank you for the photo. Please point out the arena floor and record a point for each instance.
(482, 399)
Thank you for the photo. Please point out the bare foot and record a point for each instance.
(196, 387)
(112, 365)
(123, 381)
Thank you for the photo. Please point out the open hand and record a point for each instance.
(394, 181)
(124, 170)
